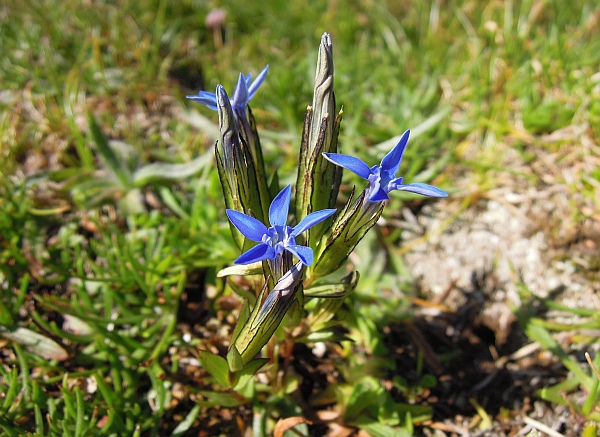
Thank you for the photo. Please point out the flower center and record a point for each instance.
(278, 238)
(380, 178)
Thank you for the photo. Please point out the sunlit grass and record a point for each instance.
(477, 80)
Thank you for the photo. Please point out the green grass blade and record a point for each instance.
(113, 163)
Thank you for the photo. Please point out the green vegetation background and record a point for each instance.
(96, 247)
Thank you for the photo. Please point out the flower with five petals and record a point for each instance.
(244, 92)
(278, 237)
(382, 178)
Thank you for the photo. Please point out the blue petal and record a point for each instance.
(205, 98)
(349, 163)
(278, 211)
(240, 96)
(257, 82)
(249, 226)
(310, 220)
(376, 192)
(392, 160)
(423, 189)
(303, 253)
(257, 253)
(379, 195)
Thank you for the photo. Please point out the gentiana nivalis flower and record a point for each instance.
(244, 92)
(382, 178)
(278, 237)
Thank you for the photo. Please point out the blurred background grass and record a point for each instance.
(476, 79)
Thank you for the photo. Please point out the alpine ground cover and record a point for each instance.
(113, 226)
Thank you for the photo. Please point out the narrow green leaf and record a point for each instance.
(71, 97)
(39, 419)
(242, 320)
(24, 371)
(241, 270)
(13, 388)
(538, 333)
(187, 423)
(217, 366)
(67, 397)
(36, 343)
(227, 400)
(234, 358)
(113, 163)
(421, 128)
(97, 190)
(415, 413)
(556, 393)
(486, 422)
(80, 422)
(325, 335)
(591, 401)
(243, 376)
(364, 396)
(172, 203)
(170, 172)
(339, 290)
(381, 430)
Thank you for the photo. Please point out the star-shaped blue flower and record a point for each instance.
(279, 237)
(244, 92)
(382, 178)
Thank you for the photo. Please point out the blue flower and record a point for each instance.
(382, 178)
(279, 237)
(244, 92)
